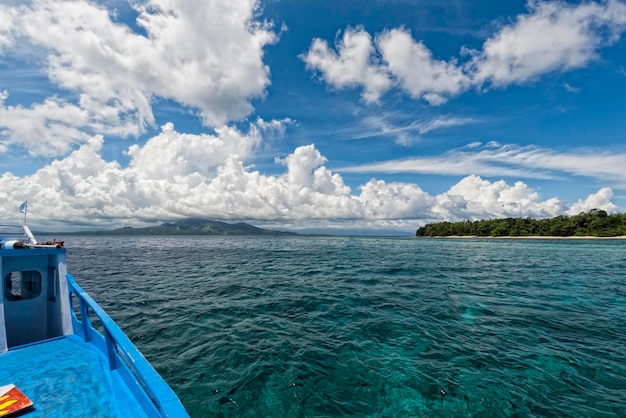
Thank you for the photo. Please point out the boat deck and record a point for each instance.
(66, 377)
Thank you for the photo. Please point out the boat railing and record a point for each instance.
(155, 396)
(13, 232)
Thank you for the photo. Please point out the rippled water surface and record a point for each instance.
(370, 327)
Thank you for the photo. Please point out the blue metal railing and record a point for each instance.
(154, 395)
(12, 232)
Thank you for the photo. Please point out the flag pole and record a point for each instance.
(24, 209)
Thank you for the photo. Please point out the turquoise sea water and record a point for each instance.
(371, 327)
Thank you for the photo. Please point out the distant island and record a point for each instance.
(190, 227)
(595, 223)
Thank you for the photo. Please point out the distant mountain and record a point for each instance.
(193, 227)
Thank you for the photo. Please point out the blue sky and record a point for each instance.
(343, 116)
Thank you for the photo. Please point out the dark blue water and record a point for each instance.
(366, 327)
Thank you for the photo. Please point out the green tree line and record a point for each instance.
(596, 223)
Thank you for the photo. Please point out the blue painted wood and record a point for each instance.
(110, 342)
(86, 323)
(67, 377)
(152, 392)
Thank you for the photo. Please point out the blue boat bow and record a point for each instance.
(61, 349)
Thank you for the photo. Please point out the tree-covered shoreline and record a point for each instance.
(595, 223)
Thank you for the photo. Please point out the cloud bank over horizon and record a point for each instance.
(177, 175)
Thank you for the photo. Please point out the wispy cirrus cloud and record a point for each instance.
(405, 133)
(497, 160)
(571, 88)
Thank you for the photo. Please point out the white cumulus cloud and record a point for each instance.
(206, 56)
(352, 65)
(416, 71)
(599, 200)
(175, 175)
(475, 198)
(172, 153)
(552, 36)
